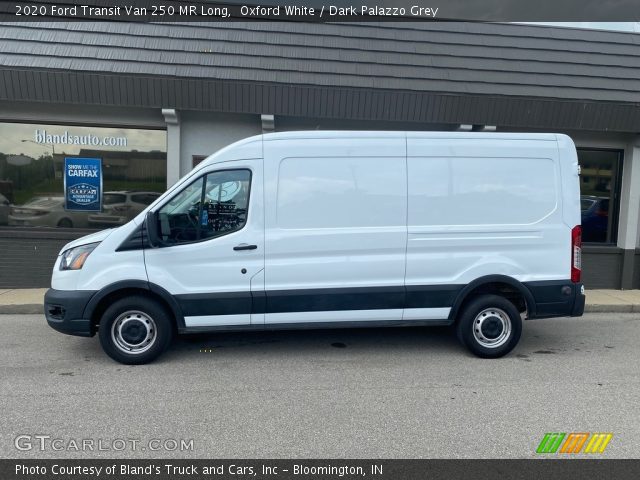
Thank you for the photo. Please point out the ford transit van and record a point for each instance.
(338, 229)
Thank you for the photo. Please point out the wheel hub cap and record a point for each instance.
(492, 328)
(133, 332)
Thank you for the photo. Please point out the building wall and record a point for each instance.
(81, 114)
(602, 267)
(616, 266)
(26, 258)
(204, 133)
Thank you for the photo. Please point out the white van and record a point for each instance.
(338, 229)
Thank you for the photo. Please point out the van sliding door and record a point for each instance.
(335, 229)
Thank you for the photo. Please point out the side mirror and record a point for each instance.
(151, 227)
(6, 202)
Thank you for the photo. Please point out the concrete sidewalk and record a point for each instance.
(19, 301)
(27, 300)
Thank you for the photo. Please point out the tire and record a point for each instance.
(135, 330)
(489, 326)
(65, 223)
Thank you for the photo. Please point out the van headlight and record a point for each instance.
(74, 258)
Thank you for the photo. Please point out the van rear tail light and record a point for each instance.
(576, 253)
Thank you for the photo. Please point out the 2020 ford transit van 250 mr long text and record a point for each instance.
(326, 229)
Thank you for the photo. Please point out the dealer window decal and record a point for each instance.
(83, 184)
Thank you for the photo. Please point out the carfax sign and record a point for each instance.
(83, 184)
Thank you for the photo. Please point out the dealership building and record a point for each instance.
(152, 100)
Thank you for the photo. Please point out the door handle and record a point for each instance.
(244, 246)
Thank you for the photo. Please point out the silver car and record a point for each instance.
(121, 206)
(46, 212)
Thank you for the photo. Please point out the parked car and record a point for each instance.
(4, 210)
(595, 218)
(118, 207)
(338, 229)
(46, 212)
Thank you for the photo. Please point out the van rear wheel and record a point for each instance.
(489, 326)
(135, 330)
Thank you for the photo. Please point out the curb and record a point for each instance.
(618, 308)
(38, 309)
(24, 309)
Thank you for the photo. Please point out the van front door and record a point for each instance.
(211, 255)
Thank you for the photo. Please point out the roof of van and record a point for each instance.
(252, 147)
(402, 134)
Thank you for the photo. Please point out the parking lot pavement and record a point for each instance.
(381, 393)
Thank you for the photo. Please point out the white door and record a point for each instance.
(479, 206)
(213, 246)
(335, 211)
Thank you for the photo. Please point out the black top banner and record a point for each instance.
(334, 469)
(323, 10)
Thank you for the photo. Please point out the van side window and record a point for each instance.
(341, 192)
(214, 205)
(225, 204)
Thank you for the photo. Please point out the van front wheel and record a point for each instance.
(489, 326)
(135, 330)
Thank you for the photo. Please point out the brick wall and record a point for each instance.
(27, 258)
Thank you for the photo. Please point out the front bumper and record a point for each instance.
(64, 311)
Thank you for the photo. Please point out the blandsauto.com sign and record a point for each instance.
(71, 138)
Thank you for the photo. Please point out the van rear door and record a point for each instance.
(481, 204)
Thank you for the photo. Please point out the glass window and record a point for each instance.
(599, 194)
(179, 218)
(111, 198)
(199, 213)
(144, 198)
(226, 202)
(134, 161)
(197, 159)
(341, 192)
(469, 193)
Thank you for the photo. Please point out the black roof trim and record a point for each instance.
(316, 101)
